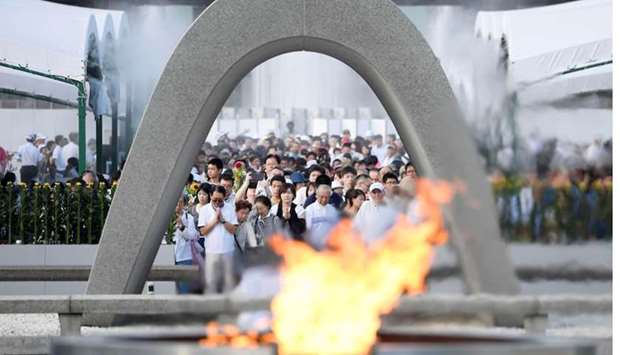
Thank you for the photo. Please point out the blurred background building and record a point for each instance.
(518, 76)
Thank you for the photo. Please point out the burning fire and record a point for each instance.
(331, 301)
(229, 335)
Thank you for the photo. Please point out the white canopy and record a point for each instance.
(56, 39)
(36, 85)
(544, 42)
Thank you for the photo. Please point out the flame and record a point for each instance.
(228, 335)
(331, 301)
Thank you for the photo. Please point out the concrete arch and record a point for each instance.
(229, 39)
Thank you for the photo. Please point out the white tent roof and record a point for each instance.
(544, 41)
(31, 84)
(51, 38)
(49, 27)
(584, 81)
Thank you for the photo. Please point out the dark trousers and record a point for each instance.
(28, 173)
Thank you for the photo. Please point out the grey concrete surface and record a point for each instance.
(81, 273)
(67, 255)
(229, 39)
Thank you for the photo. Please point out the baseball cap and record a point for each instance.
(336, 185)
(376, 186)
(297, 177)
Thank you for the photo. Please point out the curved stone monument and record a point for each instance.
(229, 39)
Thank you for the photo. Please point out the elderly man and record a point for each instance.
(321, 216)
(375, 216)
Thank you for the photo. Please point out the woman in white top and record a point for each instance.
(186, 247)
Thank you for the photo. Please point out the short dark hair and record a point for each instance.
(348, 170)
(316, 167)
(389, 175)
(274, 156)
(206, 188)
(277, 178)
(360, 177)
(371, 160)
(352, 194)
(243, 205)
(289, 186)
(219, 189)
(217, 162)
(323, 180)
(264, 200)
(227, 177)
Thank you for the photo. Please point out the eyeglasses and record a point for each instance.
(217, 200)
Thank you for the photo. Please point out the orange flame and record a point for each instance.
(331, 301)
(228, 335)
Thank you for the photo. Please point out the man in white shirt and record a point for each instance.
(218, 222)
(71, 149)
(321, 217)
(375, 216)
(57, 157)
(30, 157)
(391, 155)
(378, 149)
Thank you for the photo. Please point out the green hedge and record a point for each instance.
(75, 214)
(53, 213)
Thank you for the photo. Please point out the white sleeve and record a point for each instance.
(308, 215)
(203, 216)
(301, 212)
(358, 220)
(190, 227)
(231, 216)
(252, 242)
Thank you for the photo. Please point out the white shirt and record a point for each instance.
(379, 152)
(71, 150)
(29, 154)
(58, 159)
(183, 239)
(298, 209)
(319, 222)
(300, 196)
(219, 240)
(197, 176)
(373, 220)
(91, 159)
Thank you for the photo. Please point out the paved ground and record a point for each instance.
(596, 327)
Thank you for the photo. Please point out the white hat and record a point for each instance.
(310, 163)
(376, 186)
(336, 185)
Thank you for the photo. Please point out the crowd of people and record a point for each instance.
(242, 191)
(46, 160)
